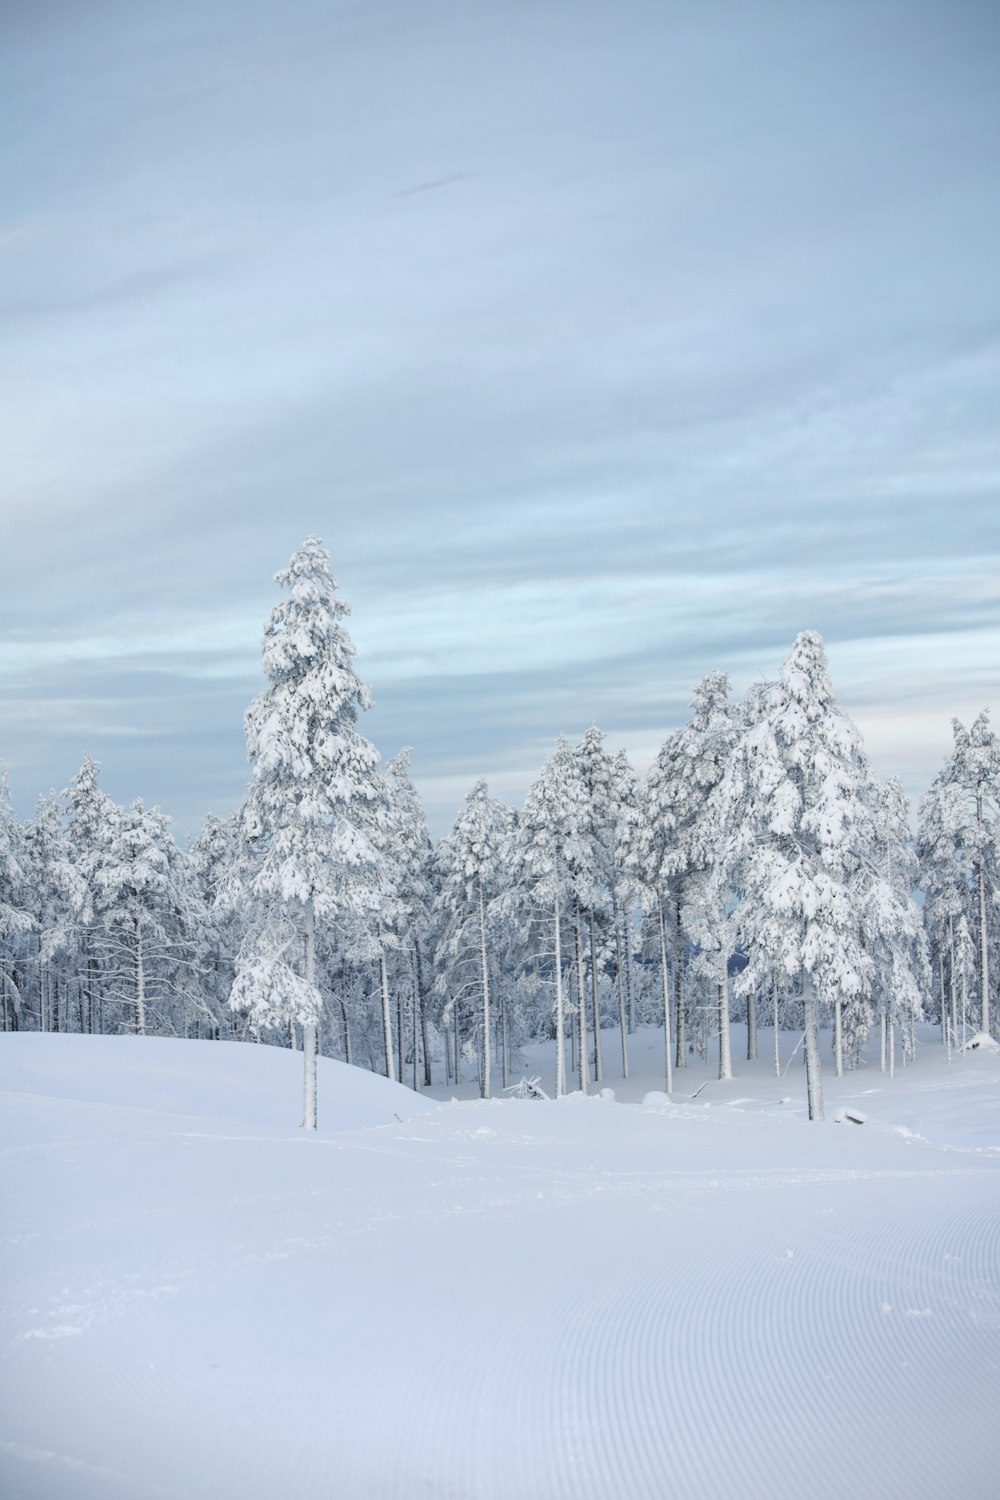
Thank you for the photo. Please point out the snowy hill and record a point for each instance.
(581, 1300)
(218, 1080)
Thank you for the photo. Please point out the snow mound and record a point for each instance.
(241, 1081)
(982, 1042)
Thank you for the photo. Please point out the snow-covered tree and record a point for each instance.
(137, 895)
(211, 858)
(796, 804)
(625, 890)
(474, 861)
(15, 918)
(895, 934)
(674, 851)
(404, 846)
(959, 847)
(316, 800)
(53, 888)
(556, 869)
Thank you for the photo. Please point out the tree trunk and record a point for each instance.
(680, 1028)
(383, 976)
(751, 1026)
(504, 1037)
(560, 1051)
(309, 1027)
(347, 1032)
(581, 1005)
(951, 981)
(458, 1046)
(595, 1006)
(725, 1045)
(629, 993)
(984, 956)
(777, 1038)
(484, 1084)
(665, 981)
(838, 1039)
(619, 979)
(814, 1079)
(423, 1013)
(140, 982)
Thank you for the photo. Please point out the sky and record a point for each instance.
(604, 345)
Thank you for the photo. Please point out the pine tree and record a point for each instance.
(625, 889)
(895, 932)
(136, 891)
(404, 845)
(474, 861)
(555, 869)
(15, 918)
(89, 814)
(53, 887)
(959, 846)
(796, 807)
(316, 801)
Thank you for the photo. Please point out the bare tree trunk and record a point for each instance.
(458, 1046)
(777, 1038)
(581, 1007)
(140, 982)
(504, 1038)
(951, 980)
(629, 993)
(838, 1039)
(595, 1006)
(415, 1077)
(560, 1052)
(309, 1027)
(751, 1026)
(680, 1056)
(814, 1078)
(619, 979)
(882, 1027)
(418, 965)
(484, 1085)
(383, 975)
(665, 981)
(984, 956)
(347, 1032)
(725, 1045)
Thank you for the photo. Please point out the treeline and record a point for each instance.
(760, 873)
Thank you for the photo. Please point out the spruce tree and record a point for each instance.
(798, 823)
(315, 804)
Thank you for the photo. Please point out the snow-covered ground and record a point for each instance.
(580, 1300)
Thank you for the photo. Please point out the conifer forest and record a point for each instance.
(760, 875)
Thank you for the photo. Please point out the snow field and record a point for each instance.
(481, 1300)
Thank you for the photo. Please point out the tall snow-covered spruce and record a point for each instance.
(800, 811)
(316, 802)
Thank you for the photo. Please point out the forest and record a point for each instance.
(760, 874)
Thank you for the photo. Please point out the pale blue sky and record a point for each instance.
(603, 344)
